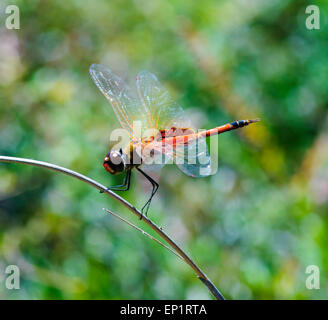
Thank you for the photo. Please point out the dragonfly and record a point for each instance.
(167, 134)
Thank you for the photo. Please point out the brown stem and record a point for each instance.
(142, 231)
(200, 274)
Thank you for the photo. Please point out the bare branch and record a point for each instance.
(140, 230)
(200, 274)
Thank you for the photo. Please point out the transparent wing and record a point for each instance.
(163, 111)
(155, 155)
(124, 101)
(193, 158)
(153, 167)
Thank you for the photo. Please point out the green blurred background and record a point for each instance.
(253, 227)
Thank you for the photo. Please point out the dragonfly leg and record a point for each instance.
(122, 187)
(155, 185)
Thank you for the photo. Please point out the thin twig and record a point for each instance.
(140, 230)
(200, 274)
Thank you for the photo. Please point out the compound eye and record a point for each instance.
(106, 159)
(116, 157)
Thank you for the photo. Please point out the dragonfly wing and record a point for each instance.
(155, 155)
(152, 167)
(163, 111)
(193, 158)
(124, 101)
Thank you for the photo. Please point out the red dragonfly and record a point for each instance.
(171, 138)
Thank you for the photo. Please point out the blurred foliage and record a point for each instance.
(253, 227)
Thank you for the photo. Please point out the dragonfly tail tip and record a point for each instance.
(254, 120)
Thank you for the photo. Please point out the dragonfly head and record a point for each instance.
(113, 162)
